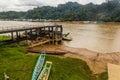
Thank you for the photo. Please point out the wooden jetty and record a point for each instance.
(36, 35)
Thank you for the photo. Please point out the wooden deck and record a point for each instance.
(22, 29)
(41, 42)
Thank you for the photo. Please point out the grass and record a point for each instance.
(4, 38)
(19, 66)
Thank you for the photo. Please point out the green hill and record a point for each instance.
(71, 11)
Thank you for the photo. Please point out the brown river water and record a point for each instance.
(104, 38)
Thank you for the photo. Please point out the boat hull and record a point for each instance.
(46, 71)
(67, 39)
(39, 66)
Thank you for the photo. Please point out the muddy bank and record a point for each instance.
(96, 61)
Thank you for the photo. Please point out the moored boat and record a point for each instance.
(67, 37)
(39, 66)
(46, 71)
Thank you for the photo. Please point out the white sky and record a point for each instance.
(24, 5)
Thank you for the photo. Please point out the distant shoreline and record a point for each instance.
(82, 22)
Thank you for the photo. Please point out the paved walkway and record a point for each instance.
(113, 72)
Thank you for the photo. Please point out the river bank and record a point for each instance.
(96, 61)
(19, 66)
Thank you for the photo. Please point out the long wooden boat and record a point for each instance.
(60, 53)
(39, 66)
(46, 71)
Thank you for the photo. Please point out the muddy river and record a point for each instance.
(103, 38)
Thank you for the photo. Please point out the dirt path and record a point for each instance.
(113, 72)
(96, 61)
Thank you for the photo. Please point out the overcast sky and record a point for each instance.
(24, 5)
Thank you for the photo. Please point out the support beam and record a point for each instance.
(12, 36)
(17, 35)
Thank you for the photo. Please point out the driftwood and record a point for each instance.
(6, 77)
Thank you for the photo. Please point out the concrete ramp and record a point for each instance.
(113, 72)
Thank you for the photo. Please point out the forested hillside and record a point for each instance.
(71, 11)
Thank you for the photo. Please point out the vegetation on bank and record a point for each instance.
(4, 37)
(19, 66)
(71, 11)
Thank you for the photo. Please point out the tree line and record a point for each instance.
(71, 11)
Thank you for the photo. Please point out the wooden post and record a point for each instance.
(26, 37)
(6, 77)
(37, 32)
(53, 34)
(17, 34)
(40, 31)
(30, 34)
(12, 35)
(49, 32)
